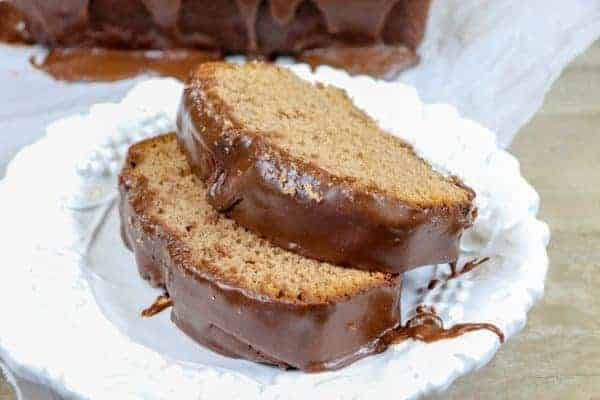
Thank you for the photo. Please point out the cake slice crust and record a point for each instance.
(235, 292)
(301, 165)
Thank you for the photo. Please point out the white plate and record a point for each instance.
(71, 294)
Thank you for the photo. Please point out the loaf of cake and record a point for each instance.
(233, 291)
(256, 27)
(299, 164)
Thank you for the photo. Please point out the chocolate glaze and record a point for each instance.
(382, 61)
(161, 303)
(258, 329)
(428, 327)
(346, 226)
(433, 283)
(425, 326)
(106, 65)
(468, 267)
(263, 27)
(239, 323)
(454, 273)
(12, 25)
(109, 65)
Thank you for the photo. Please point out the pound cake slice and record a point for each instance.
(301, 165)
(235, 292)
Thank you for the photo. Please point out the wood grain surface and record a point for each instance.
(557, 356)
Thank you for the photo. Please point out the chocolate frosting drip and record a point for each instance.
(312, 336)
(428, 327)
(161, 303)
(242, 325)
(249, 12)
(339, 20)
(343, 20)
(455, 273)
(382, 61)
(347, 226)
(238, 323)
(165, 12)
(12, 25)
(350, 22)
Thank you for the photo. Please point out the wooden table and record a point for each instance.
(557, 356)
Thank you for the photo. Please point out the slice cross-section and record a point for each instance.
(301, 165)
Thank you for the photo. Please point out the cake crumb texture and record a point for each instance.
(174, 199)
(320, 125)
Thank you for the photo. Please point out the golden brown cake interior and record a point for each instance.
(223, 249)
(319, 124)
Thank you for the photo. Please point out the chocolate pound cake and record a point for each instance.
(233, 291)
(301, 165)
(257, 27)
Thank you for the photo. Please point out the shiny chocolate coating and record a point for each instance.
(233, 321)
(347, 226)
(254, 26)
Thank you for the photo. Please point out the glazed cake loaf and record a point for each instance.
(259, 27)
(301, 165)
(233, 291)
